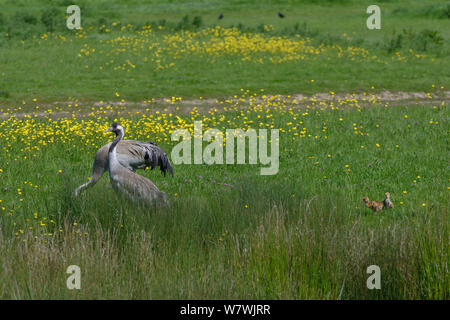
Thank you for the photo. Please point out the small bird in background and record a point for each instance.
(387, 203)
(280, 15)
(374, 205)
(220, 16)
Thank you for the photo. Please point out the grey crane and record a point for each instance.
(124, 181)
(132, 155)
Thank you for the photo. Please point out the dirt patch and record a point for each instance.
(165, 105)
(380, 96)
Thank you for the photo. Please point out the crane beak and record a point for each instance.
(108, 130)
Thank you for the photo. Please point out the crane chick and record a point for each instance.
(387, 203)
(374, 205)
(133, 186)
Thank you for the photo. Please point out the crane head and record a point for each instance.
(115, 127)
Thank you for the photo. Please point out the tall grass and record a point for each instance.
(295, 235)
(216, 250)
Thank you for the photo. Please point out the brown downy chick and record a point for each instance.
(387, 203)
(374, 205)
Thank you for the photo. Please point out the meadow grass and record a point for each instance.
(143, 49)
(229, 232)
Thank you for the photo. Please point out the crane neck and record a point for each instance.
(119, 137)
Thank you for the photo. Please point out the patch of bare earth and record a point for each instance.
(165, 105)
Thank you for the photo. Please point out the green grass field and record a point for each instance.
(116, 52)
(229, 233)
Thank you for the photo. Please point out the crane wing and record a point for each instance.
(157, 157)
